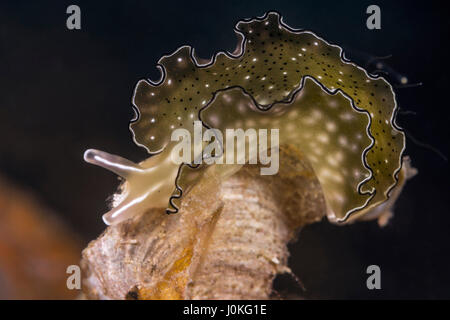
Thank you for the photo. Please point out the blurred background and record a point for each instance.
(64, 91)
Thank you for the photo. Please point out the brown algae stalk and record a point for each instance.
(339, 150)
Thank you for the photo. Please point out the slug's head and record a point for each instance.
(147, 185)
(339, 117)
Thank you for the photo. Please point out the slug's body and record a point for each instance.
(339, 117)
